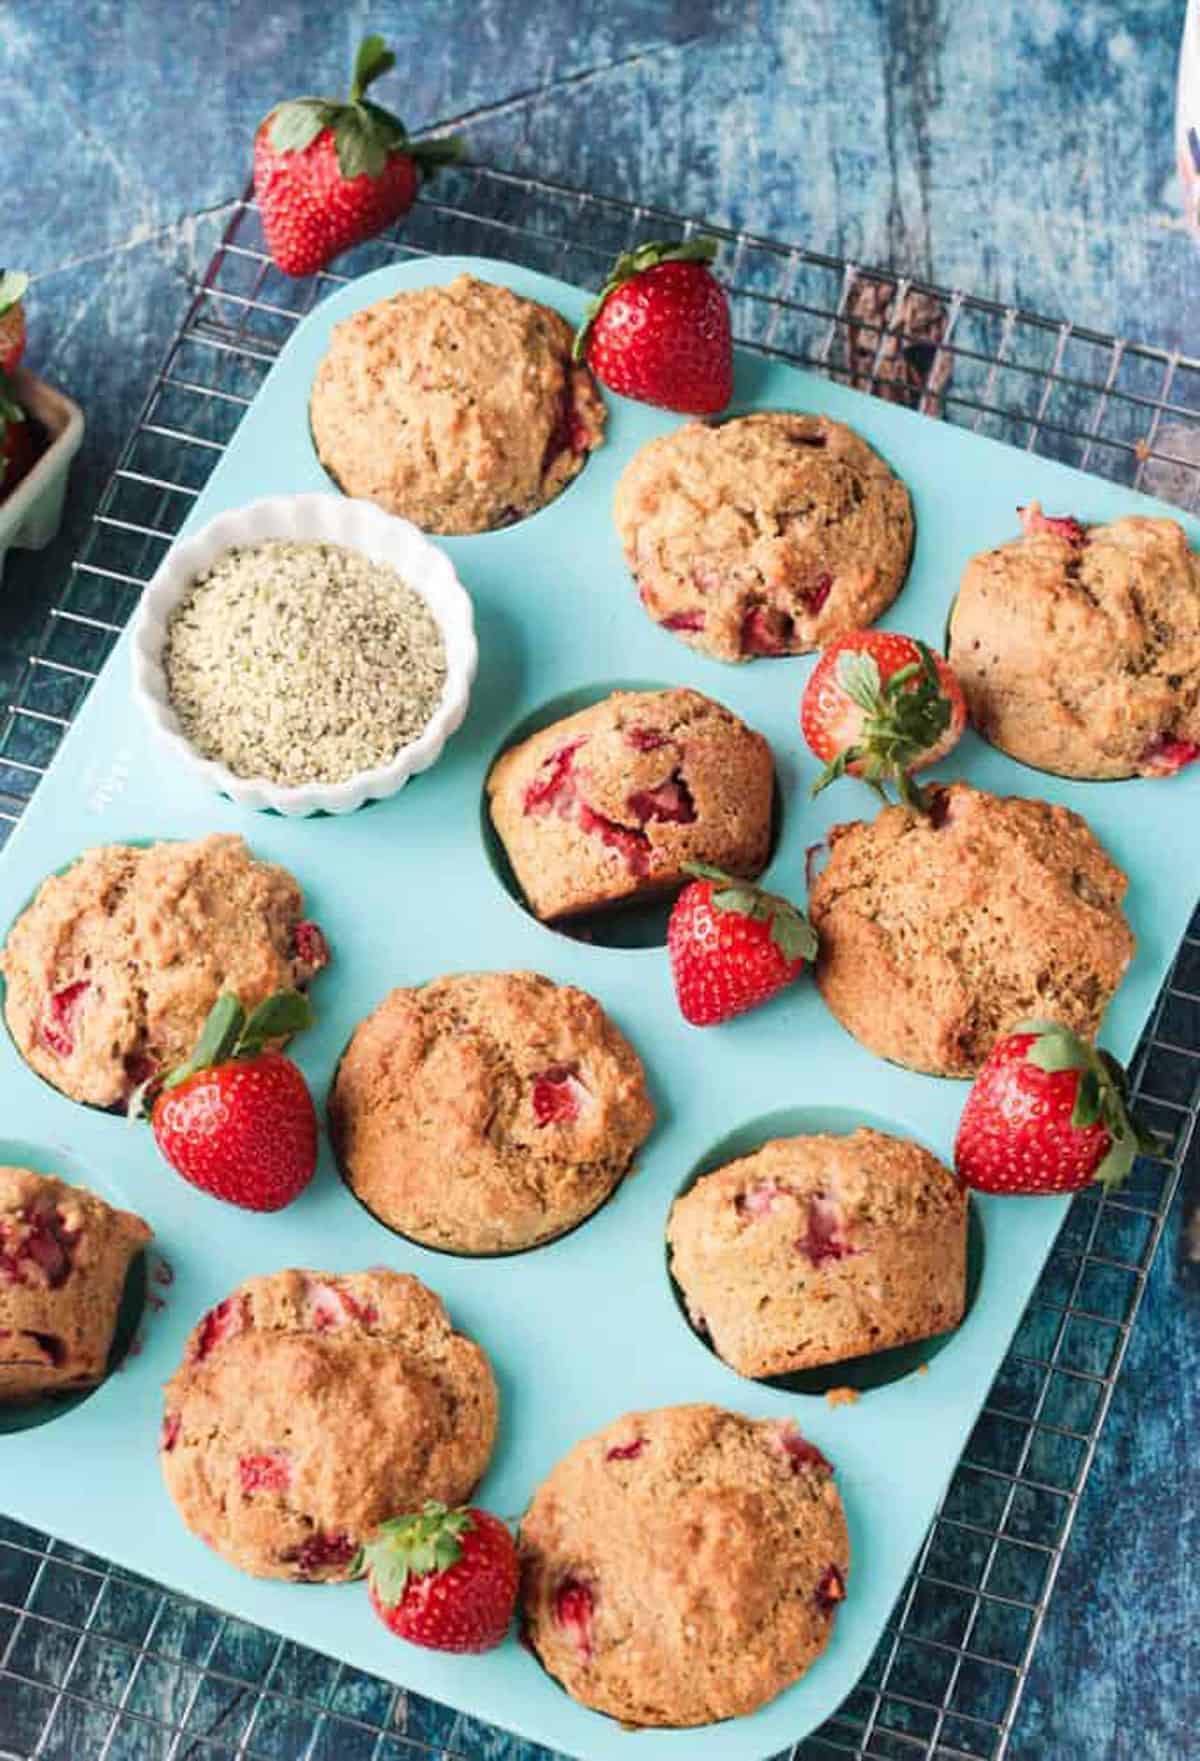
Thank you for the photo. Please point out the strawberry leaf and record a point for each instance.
(746, 900)
(364, 140)
(858, 675)
(13, 286)
(792, 933)
(707, 871)
(296, 124)
(280, 1016)
(364, 132)
(1117, 1163)
(904, 718)
(790, 930)
(413, 1546)
(836, 768)
(1086, 1111)
(445, 150)
(218, 1037)
(10, 409)
(1056, 1048)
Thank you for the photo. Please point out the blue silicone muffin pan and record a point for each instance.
(587, 1327)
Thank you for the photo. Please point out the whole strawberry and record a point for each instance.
(237, 1119)
(13, 284)
(659, 330)
(732, 946)
(446, 1579)
(329, 174)
(879, 706)
(1047, 1113)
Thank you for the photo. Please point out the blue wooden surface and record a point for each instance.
(1023, 152)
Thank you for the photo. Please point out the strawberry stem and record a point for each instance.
(364, 133)
(373, 59)
(902, 720)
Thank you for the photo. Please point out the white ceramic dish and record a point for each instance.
(31, 515)
(330, 519)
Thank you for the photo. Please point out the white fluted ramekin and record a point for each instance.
(329, 519)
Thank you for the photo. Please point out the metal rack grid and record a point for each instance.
(97, 1663)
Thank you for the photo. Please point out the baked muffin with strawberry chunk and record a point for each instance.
(310, 1407)
(940, 930)
(458, 407)
(813, 1250)
(611, 805)
(64, 1258)
(1078, 647)
(684, 1565)
(765, 535)
(112, 970)
(487, 1112)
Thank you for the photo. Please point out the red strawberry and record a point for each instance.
(329, 173)
(446, 1579)
(881, 706)
(732, 946)
(13, 283)
(18, 447)
(659, 330)
(237, 1119)
(1047, 1113)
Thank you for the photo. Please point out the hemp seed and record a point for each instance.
(302, 662)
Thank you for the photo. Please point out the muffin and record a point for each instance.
(818, 1249)
(940, 932)
(110, 973)
(683, 1565)
(310, 1407)
(1078, 647)
(64, 1259)
(487, 1112)
(459, 407)
(769, 534)
(608, 805)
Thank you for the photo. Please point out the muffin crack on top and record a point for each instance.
(1078, 648)
(112, 969)
(487, 1112)
(939, 932)
(458, 407)
(763, 535)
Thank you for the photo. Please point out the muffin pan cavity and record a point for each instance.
(877, 1369)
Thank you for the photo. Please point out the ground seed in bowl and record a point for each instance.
(302, 662)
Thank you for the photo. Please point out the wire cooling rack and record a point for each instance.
(99, 1665)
